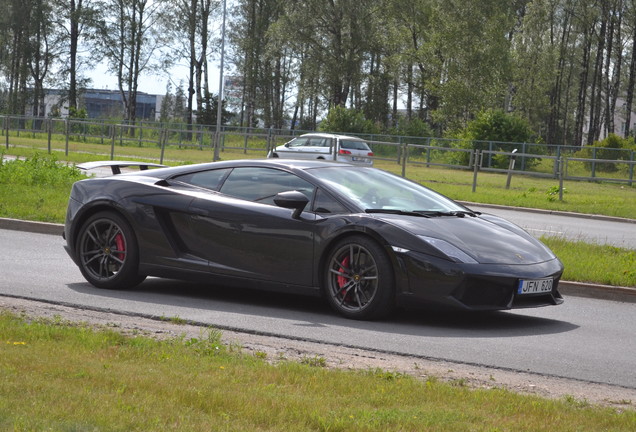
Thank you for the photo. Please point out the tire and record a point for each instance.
(358, 279)
(107, 251)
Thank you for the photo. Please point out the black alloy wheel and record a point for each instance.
(107, 251)
(359, 279)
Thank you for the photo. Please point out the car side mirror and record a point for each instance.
(292, 200)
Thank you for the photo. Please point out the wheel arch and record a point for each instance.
(96, 207)
(368, 233)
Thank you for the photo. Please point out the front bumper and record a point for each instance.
(432, 280)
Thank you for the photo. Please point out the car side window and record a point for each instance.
(318, 142)
(210, 179)
(354, 145)
(262, 184)
(299, 142)
(325, 203)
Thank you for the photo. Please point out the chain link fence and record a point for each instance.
(162, 142)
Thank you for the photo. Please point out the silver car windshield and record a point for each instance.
(377, 190)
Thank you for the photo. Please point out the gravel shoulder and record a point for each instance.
(276, 349)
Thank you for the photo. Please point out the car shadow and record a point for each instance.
(311, 311)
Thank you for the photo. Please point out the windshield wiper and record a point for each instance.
(424, 213)
(396, 211)
(458, 213)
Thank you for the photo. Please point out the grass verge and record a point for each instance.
(56, 376)
(602, 264)
(36, 189)
(530, 192)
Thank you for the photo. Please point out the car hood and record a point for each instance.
(487, 238)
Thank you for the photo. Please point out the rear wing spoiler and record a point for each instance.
(116, 166)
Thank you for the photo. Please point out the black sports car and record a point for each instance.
(366, 239)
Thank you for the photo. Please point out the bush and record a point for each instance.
(414, 127)
(38, 171)
(341, 119)
(495, 125)
(613, 147)
(495, 128)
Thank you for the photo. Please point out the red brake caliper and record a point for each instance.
(342, 281)
(121, 246)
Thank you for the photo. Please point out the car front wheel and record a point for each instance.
(359, 279)
(108, 253)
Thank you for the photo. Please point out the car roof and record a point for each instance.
(168, 172)
(330, 135)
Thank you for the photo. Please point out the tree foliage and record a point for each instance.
(496, 125)
(612, 148)
(567, 67)
(341, 119)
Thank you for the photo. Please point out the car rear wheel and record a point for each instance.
(359, 279)
(108, 253)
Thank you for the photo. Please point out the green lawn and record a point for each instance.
(60, 377)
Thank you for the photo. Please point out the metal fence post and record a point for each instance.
(49, 127)
(555, 169)
(163, 134)
(405, 156)
(67, 131)
(476, 162)
(6, 128)
(511, 167)
(112, 145)
(631, 168)
(333, 149)
(269, 140)
(561, 169)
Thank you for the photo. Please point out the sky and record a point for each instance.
(152, 84)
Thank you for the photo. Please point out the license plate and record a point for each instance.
(359, 159)
(534, 286)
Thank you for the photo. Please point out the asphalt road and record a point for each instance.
(586, 339)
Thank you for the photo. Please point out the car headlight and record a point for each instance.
(453, 252)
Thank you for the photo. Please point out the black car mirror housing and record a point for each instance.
(292, 200)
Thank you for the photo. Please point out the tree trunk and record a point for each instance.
(630, 83)
(75, 12)
(582, 93)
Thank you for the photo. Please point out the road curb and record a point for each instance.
(603, 292)
(31, 226)
(579, 289)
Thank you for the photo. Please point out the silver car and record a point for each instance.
(324, 146)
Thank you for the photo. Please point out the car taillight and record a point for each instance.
(370, 154)
(344, 152)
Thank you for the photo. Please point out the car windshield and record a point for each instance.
(379, 191)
